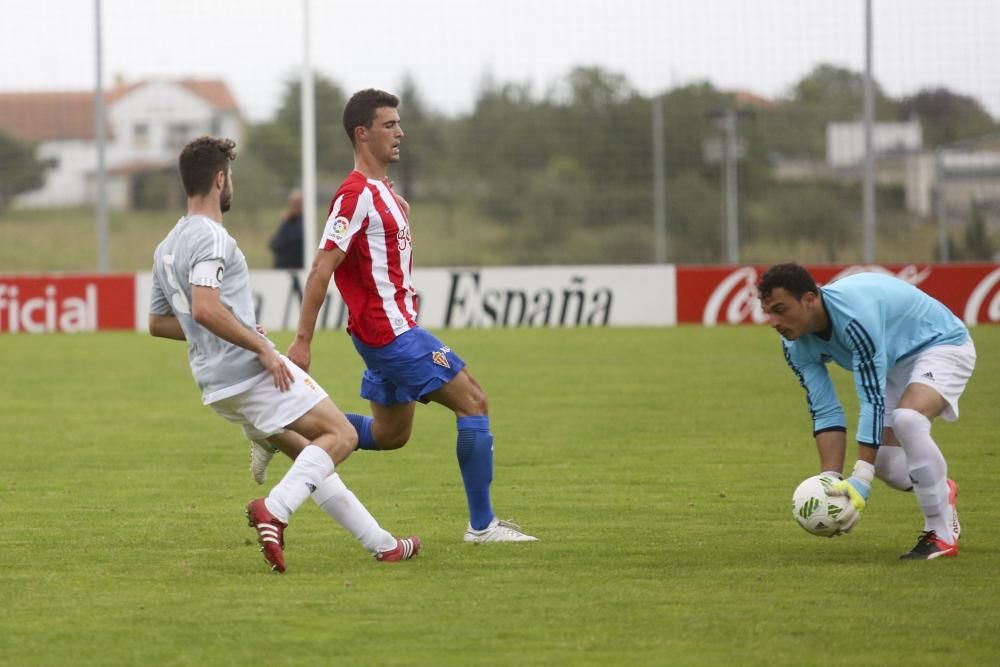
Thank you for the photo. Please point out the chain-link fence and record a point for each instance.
(531, 136)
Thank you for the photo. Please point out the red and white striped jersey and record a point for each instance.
(375, 278)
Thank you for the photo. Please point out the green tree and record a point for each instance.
(797, 127)
(258, 190)
(687, 123)
(425, 147)
(821, 213)
(602, 124)
(277, 143)
(947, 117)
(20, 170)
(496, 149)
(506, 132)
(277, 146)
(695, 226)
(556, 209)
(333, 147)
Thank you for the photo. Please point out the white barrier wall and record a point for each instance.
(489, 297)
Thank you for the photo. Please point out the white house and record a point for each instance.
(845, 142)
(148, 122)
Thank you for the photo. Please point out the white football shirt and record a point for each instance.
(199, 251)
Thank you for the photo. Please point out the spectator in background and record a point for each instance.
(286, 244)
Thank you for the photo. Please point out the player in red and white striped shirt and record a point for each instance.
(367, 248)
(368, 223)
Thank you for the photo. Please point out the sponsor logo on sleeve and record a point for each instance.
(338, 230)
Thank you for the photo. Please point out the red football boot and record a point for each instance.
(929, 547)
(270, 533)
(405, 549)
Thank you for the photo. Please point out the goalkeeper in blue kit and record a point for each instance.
(911, 359)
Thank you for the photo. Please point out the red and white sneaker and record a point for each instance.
(930, 546)
(270, 533)
(405, 549)
(956, 527)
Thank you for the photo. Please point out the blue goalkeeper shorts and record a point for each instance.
(407, 369)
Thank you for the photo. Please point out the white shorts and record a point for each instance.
(263, 410)
(945, 368)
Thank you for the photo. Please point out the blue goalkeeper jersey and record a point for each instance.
(876, 320)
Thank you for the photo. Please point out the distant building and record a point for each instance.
(845, 142)
(148, 122)
(892, 143)
(954, 178)
(946, 181)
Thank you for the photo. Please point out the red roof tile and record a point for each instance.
(47, 116)
(748, 98)
(216, 92)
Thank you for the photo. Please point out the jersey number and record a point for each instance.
(177, 299)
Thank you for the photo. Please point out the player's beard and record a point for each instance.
(226, 197)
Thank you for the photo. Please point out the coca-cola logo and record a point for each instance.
(979, 296)
(734, 300)
(738, 292)
(909, 273)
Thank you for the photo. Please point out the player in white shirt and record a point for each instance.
(201, 294)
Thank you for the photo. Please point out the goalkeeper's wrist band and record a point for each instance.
(864, 471)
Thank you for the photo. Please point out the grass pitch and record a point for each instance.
(655, 465)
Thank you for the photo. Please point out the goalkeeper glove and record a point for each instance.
(856, 488)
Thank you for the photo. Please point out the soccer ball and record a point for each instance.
(814, 509)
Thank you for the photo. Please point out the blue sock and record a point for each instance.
(363, 425)
(475, 459)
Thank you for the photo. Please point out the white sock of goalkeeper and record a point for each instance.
(891, 467)
(333, 496)
(311, 467)
(927, 468)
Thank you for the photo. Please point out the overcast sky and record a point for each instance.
(449, 46)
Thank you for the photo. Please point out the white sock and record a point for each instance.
(311, 467)
(891, 467)
(344, 507)
(927, 469)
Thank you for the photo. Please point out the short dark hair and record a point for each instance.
(793, 278)
(360, 109)
(201, 160)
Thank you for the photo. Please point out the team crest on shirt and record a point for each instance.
(439, 357)
(339, 228)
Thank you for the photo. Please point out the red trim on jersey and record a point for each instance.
(367, 223)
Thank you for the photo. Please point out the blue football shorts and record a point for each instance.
(407, 369)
